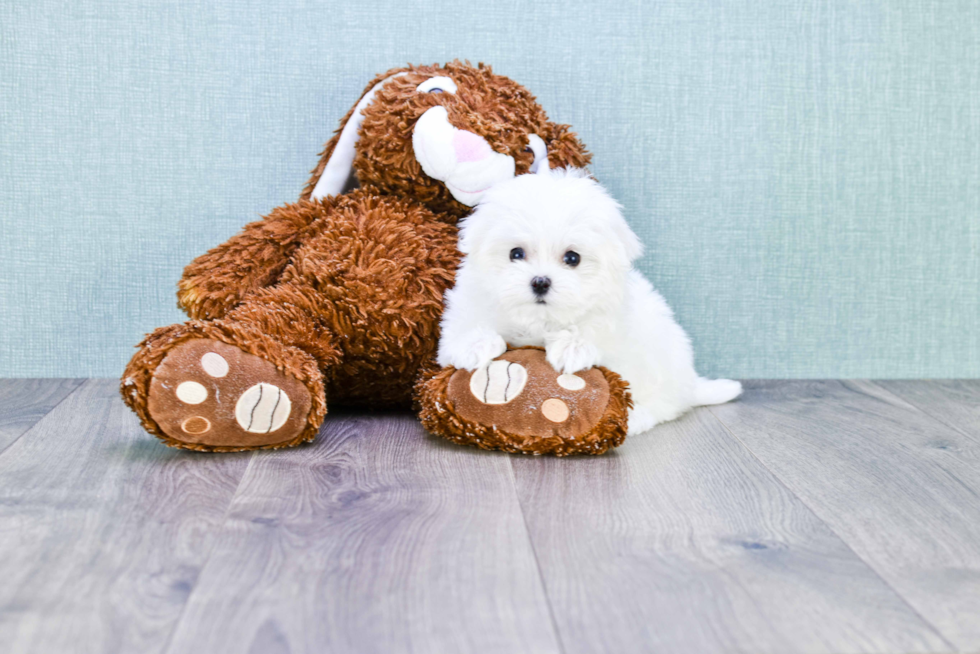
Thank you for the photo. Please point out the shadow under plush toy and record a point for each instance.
(338, 296)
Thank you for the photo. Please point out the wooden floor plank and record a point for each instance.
(376, 538)
(681, 541)
(955, 402)
(901, 488)
(102, 530)
(25, 401)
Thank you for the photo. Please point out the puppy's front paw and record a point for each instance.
(569, 353)
(475, 350)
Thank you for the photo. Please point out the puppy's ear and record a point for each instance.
(630, 242)
(472, 230)
(334, 173)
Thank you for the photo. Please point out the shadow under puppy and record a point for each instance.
(549, 262)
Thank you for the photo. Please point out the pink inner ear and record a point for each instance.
(470, 146)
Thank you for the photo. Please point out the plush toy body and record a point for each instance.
(352, 316)
(338, 296)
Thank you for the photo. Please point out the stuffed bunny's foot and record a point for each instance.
(520, 403)
(211, 394)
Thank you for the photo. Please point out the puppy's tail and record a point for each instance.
(715, 391)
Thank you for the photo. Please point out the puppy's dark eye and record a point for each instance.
(517, 254)
(571, 258)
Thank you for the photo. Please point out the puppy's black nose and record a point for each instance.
(540, 285)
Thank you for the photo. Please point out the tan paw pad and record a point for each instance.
(196, 425)
(554, 410)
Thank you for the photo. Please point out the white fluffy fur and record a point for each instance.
(602, 312)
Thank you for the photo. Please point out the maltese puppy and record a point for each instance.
(548, 262)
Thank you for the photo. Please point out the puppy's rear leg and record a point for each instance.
(640, 420)
(715, 391)
(646, 415)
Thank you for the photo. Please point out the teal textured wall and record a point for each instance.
(806, 175)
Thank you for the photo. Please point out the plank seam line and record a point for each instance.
(534, 553)
(81, 383)
(952, 648)
(915, 405)
(220, 528)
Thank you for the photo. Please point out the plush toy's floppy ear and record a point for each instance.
(564, 148)
(334, 173)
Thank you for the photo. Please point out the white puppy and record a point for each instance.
(549, 263)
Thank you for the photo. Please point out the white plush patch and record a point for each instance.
(214, 364)
(540, 150)
(437, 149)
(262, 409)
(190, 392)
(571, 382)
(442, 83)
(337, 174)
(499, 383)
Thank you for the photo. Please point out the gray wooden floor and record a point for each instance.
(806, 517)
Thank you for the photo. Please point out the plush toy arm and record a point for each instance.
(254, 258)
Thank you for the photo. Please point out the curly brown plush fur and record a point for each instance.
(345, 293)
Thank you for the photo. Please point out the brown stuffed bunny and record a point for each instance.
(338, 296)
